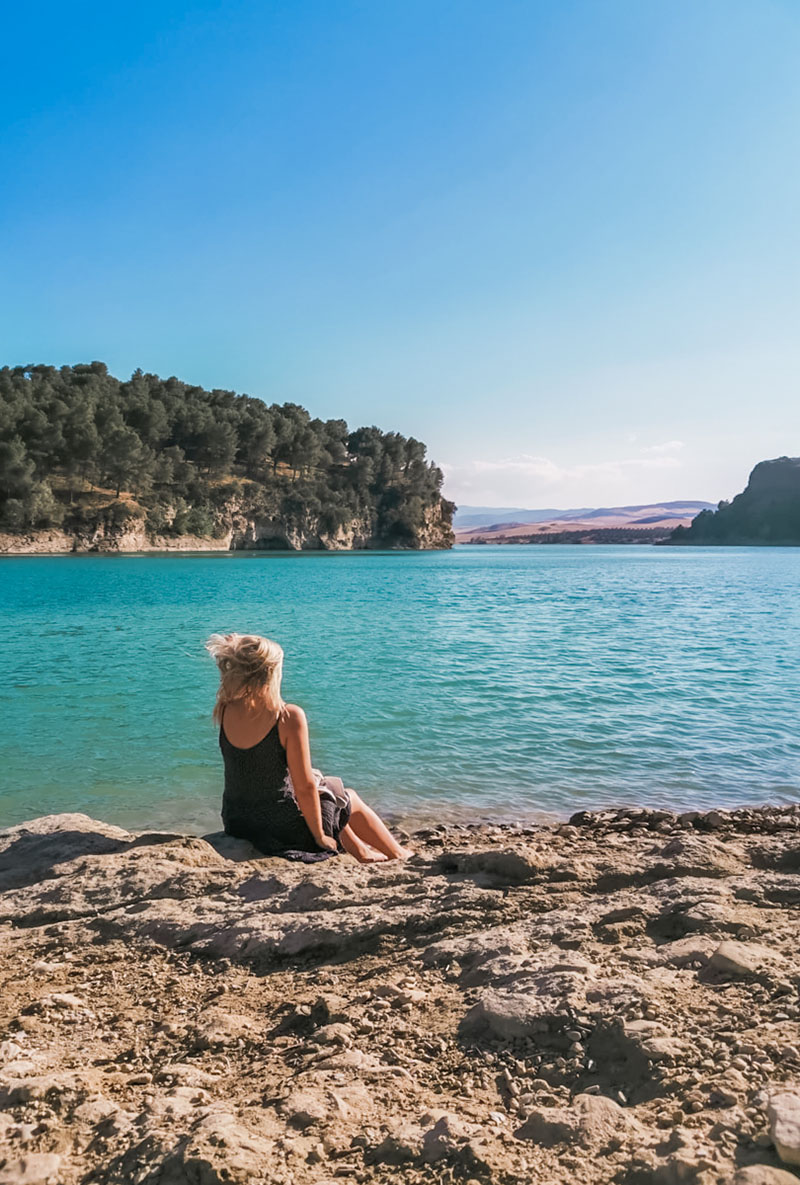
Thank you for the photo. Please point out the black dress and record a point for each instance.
(258, 803)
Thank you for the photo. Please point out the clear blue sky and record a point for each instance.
(559, 242)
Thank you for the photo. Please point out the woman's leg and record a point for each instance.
(370, 829)
(363, 852)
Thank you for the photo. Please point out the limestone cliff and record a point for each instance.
(237, 527)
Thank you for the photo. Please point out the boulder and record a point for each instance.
(783, 1112)
(741, 958)
(764, 1174)
(37, 1168)
(591, 1122)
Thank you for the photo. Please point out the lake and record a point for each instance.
(486, 682)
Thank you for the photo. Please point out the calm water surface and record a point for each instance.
(486, 681)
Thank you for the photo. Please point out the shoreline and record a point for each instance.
(614, 999)
(467, 817)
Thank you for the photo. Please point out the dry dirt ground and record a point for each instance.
(613, 1000)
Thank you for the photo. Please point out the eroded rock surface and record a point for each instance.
(612, 1001)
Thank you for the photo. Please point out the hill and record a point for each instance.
(766, 513)
(642, 523)
(486, 516)
(89, 462)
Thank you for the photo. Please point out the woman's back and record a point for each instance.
(255, 774)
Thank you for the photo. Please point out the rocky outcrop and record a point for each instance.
(104, 539)
(767, 512)
(238, 529)
(612, 1000)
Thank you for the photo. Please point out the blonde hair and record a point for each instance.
(250, 669)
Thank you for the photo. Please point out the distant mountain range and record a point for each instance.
(474, 521)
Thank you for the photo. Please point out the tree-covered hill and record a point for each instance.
(83, 451)
(766, 512)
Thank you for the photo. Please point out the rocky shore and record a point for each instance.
(611, 1000)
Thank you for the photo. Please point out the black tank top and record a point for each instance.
(254, 780)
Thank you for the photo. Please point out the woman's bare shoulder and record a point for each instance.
(293, 716)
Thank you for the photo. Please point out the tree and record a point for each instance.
(125, 460)
(41, 508)
(216, 446)
(81, 443)
(16, 468)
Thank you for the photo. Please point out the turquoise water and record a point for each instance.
(484, 681)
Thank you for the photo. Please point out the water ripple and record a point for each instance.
(486, 681)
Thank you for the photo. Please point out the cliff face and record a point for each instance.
(766, 513)
(237, 529)
(248, 532)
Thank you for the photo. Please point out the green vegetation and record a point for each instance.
(767, 512)
(80, 449)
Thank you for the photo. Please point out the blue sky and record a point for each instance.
(557, 241)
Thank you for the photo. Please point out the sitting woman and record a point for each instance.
(273, 796)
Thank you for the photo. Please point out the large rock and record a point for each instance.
(741, 958)
(41, 848)
(540, 1002)
(37, 1168)
(763, 1174)
(783, 1111)
(215, 1148)
(591, 1122)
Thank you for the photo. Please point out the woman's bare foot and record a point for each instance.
(370, 855)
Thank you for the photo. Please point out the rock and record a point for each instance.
(303, 1108)
(402, 1145)
(499, 987)
(542, 999)
(441, 1140)
(37, 1168)
(478, 951)
(492, 867)
(217, 1149)
(35, 1087)
(644, 1030)
(35, 851)
(728, 1089)
(695, 948)
(65, 1001)
(334, 1034)
(591, 1121)
(95, 1110)
(186, 1074)
(659, 1049)
(739, 958)
(400, 995)
(783, 1112)
(763, 1174)
(449, 1141)
(218, 1028)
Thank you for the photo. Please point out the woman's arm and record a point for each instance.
(298, 757)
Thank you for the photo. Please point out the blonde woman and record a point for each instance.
(273, 795)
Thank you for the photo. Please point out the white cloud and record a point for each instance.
(526, 479)
(671, 446)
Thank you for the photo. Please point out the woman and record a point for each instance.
(273, 796)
